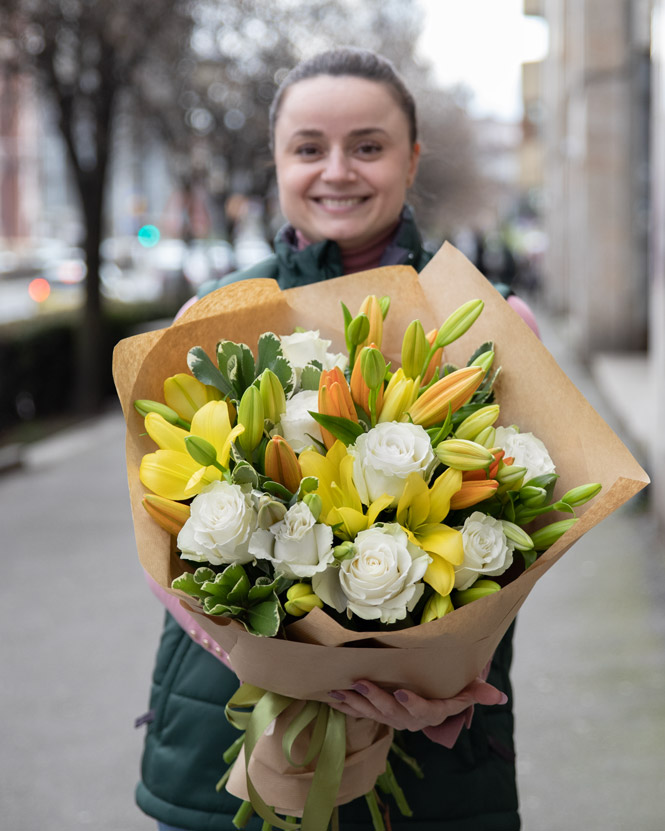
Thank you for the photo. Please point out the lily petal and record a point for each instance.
(166, 436)
(440, 575)
(167, 472)
(443, 541)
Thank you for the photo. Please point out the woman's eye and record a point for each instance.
(368, 149)
(308, 151)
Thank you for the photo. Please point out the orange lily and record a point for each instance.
(472, 492)
(453, 390)
(167, 513)
(360, 390)
(372, 309)
(281, 464)
(335, 399)
(435, 360)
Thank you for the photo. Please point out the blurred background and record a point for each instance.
(134, 166)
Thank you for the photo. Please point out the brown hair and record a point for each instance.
(357, 63)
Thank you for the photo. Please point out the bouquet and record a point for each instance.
(322, 491)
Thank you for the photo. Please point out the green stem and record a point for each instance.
(373, 396)
(397, 792)
(222, 782)
(231, 753)
(409, 761)
(373, 805)
(243, 815)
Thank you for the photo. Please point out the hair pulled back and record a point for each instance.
(357, 63)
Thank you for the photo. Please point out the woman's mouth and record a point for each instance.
(333, 203)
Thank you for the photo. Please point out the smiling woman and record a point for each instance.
(344, 137)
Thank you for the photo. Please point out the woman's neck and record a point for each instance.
(359, 259)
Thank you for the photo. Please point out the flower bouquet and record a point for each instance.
(330, 492)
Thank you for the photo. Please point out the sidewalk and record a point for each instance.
(589, 677)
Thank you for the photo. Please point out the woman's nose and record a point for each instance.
(338, 167)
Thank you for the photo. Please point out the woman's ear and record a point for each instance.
(413, 164)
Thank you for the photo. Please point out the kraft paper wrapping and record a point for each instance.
(436, 659)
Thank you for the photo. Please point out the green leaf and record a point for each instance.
(268, 350)
(530, 557)
(212, 606)
(187, 583)
(265, 618)
(344, 429)
(262, 590)
(307, 485)
(236, 362)
(285, 372)
(203, 369)
(348, 317)
(310, 377)
(204, 573)
(244, 474)
(240, 591)
(277, 490)
(564, 507)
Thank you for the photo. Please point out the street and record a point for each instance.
(81, 629)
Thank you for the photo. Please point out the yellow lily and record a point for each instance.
(186, 394)
(171, 472)
(371, 307)
(340, 501)
(421, 511)
(399, 395)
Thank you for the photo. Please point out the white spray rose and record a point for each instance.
(527, 449)
(301, 348)
(298, 546)
(487, 551)
(383, 580)
(384, 457)
(220, 525)
(296, 424)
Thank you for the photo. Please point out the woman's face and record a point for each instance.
(344, 159)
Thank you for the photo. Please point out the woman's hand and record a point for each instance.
(440, 719)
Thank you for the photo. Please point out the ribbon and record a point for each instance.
(328, 742)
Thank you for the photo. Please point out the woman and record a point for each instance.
(344, 137)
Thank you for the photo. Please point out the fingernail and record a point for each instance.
(401, 696)
(361, 688)
(503, 699)
(338, 695)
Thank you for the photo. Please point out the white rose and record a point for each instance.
(386, 455)
(302, 348)
(528, 451)
(383, 580)
(297, 545)
(487, 551)
(296, 424)
(220, 525)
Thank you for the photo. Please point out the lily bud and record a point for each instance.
(415, 349)
(344, 551)
(545, 537)
(485, 360)
(201, 450)
(373, 367)
(144, 406)
(360, 391)
(471, 493)
(462, 454)
(481, 588)
(486, 437)
(282, 465)
(580, 495)
(167, 513)
(371, 308)
(452, 391)
(398, 396)
(335, 399)
(477, 422)
(518, 536)
(533, 497)
(459, 322)
(250, 415)
(358, 330)
(186, 394)
(510, 477)
(314, 503)
(300, 599)
(270, 511)
(272, 396)
(437, 607)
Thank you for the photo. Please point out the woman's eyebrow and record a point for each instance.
(314, 133)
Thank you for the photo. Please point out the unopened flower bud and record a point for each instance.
(481, 588)
(487, 438)
(545, 537)
(485, 360)
(373, 367)
(272, 396)
(314, 503)
(415, 349)
(518, 536)
(459, 322)
(358, 330)
(437, 607)
(462, 454)
(344, 551)
(186, 394)
(250, 415)
(300, 599)
(371, 307)
(201, 450)
(144, 406)
(582, 494)
(269, 512)
(533, 497)
(167, 513)
(281, 464)
(477, 422)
